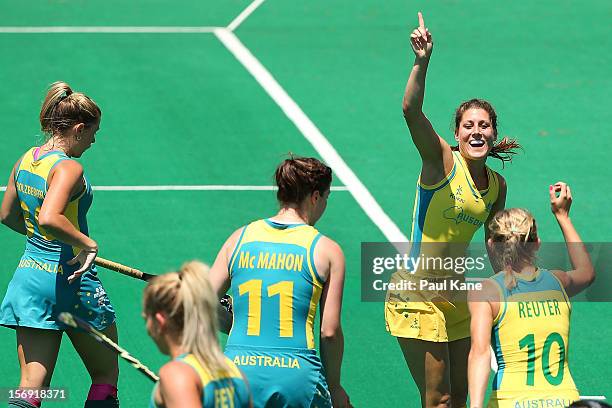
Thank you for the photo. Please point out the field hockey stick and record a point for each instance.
(73, 321)
(126, 270)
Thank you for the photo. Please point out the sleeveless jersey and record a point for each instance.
(225, 389)
(275, 286)
(39, 289)
(530, 340)
(450, 211)
(31, 183)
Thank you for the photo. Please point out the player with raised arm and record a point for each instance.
(523, 313)
(457, 193)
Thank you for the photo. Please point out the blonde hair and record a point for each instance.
(63, 108)
(514, 232)
(190, 304)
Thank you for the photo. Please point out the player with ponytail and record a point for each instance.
(456, 194)
(180, 309)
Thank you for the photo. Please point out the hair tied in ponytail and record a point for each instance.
(64, 95)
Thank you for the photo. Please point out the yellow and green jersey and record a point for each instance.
(450, 212)
(530, 339)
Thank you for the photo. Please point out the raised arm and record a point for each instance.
(583, 273)
(434, 151)
(10, 211)
(329, 261)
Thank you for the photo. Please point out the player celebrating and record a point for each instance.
(279, 270)
(456, 194)
(180, 309)
(524, 313)
(47, 199)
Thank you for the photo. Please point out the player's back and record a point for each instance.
(530, 341)
(276, 290)
(275, 286)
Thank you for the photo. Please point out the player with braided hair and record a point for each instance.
(523, 313)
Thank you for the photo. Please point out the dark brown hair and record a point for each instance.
(63, 108)
(298, 177)
(505, 148)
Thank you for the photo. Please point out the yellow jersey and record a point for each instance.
(530, 341)
(450, 212)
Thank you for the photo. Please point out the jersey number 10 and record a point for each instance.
(529, 343)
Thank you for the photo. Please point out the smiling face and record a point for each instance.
(475, 134)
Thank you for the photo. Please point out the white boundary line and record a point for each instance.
(363, 197)
(244, 15)
(208, 187)
(106, 30)
(361, 194)
(291, 109)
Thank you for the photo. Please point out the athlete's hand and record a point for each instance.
(560, 205)
(340, 398)
(421, 41)
(85, 258)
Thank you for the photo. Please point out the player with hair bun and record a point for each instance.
(280, 269)
(47, 199)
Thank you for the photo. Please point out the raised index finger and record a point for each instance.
(421, 21)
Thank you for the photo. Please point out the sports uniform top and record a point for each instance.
(275, 285)
(450, 211)
(39, 289)
(221, 389)
(530, 340)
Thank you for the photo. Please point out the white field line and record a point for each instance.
(210, 187)
(361, 194)
(243, 16)
(106, 30)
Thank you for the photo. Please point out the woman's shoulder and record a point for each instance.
(489, 290)
(329, 246)
(177, 371)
